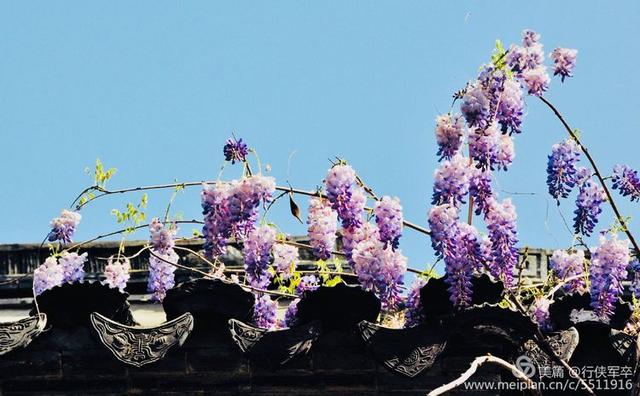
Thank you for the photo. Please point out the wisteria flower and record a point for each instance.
(235, 150)
(307, 282)
(117, 273)
(414, 313)
(291, 314)
(564, 60)
(162, 237)
(461, 258)
(501, 223)
(569, 265)
(608, 269)
(257, 248)
(264, 312)
(345, 196)
(322, 227)
(561, 168)
(588, 207)
(63, 227)
(511, 107)
(389, 220)
(451, 181)
(626, 181)
(475, 107)
(483, 145)
(72, 266)
(442, 220)
(536, 80)
(540, 313)
(381, 270)
(217, 218)
(285, 258)
(449, 132)
(481, 190)
(47, 276)
(354, 235)
(505, 152)
(161, 273)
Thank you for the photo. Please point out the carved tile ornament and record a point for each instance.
(563, 343)
(19, 334)
(138, 346)
(276, 347)
(404, 351)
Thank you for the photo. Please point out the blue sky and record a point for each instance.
(155, 88)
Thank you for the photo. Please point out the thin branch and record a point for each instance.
(477, 362)
(598, 174)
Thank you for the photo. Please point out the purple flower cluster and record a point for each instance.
(290, 315)
(480, 189)
(230, 209)
(285, 259)
(323, 224)
(345, 196)
(63, 227)
(256, 251)
(451, 181)
(483, 145)
(608, 269)
(501, 224)
(161, 273)
(475, 107)
(161, 236)
(634, 267)
(462, 256)
(47, 276)
(72, 266)
(354, 235)
(380, 269)
(510, 107)
(414, 314)
(561, 168)
(235, 150)
(264, 312)
(527, 63)
(568, 265)
(540, 313)
(564, 60)
(588, 207)
(307, 282)
(117, 273)
(442, 221)
(505, 152)
(449, 132)
(626, 181)
(389, 220)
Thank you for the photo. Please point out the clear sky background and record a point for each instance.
(155, 88)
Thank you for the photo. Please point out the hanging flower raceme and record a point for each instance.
(501, 223)
(47, 276)
(483, 145)
(290, 315)
(510, 107)
(505, 152)
(72, 266)
(608, 269)
(480, 189)
(475, 107)
(442, 221)
(492, 82)
(389, 220)
(264, 312)
(256, 251)
(217, 218)
(161, 273)
(322, 227)
(117, 273)
(461, 258)
(540, 313)
(63, 227)
(561, 168)
(285, 259)
(345, 196)
(569, 265)
(564, 60)
(162, 237)
(588, 207)
(381, 270)
(449, 132)
(537, 80)
(245, 198)
(451, 181)
(235, 150)
(528, 57)
(307, 282)
(626, 181)
(354, 235)
(414, 313)
(634, 267)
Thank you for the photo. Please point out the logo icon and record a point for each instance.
(525, 364)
